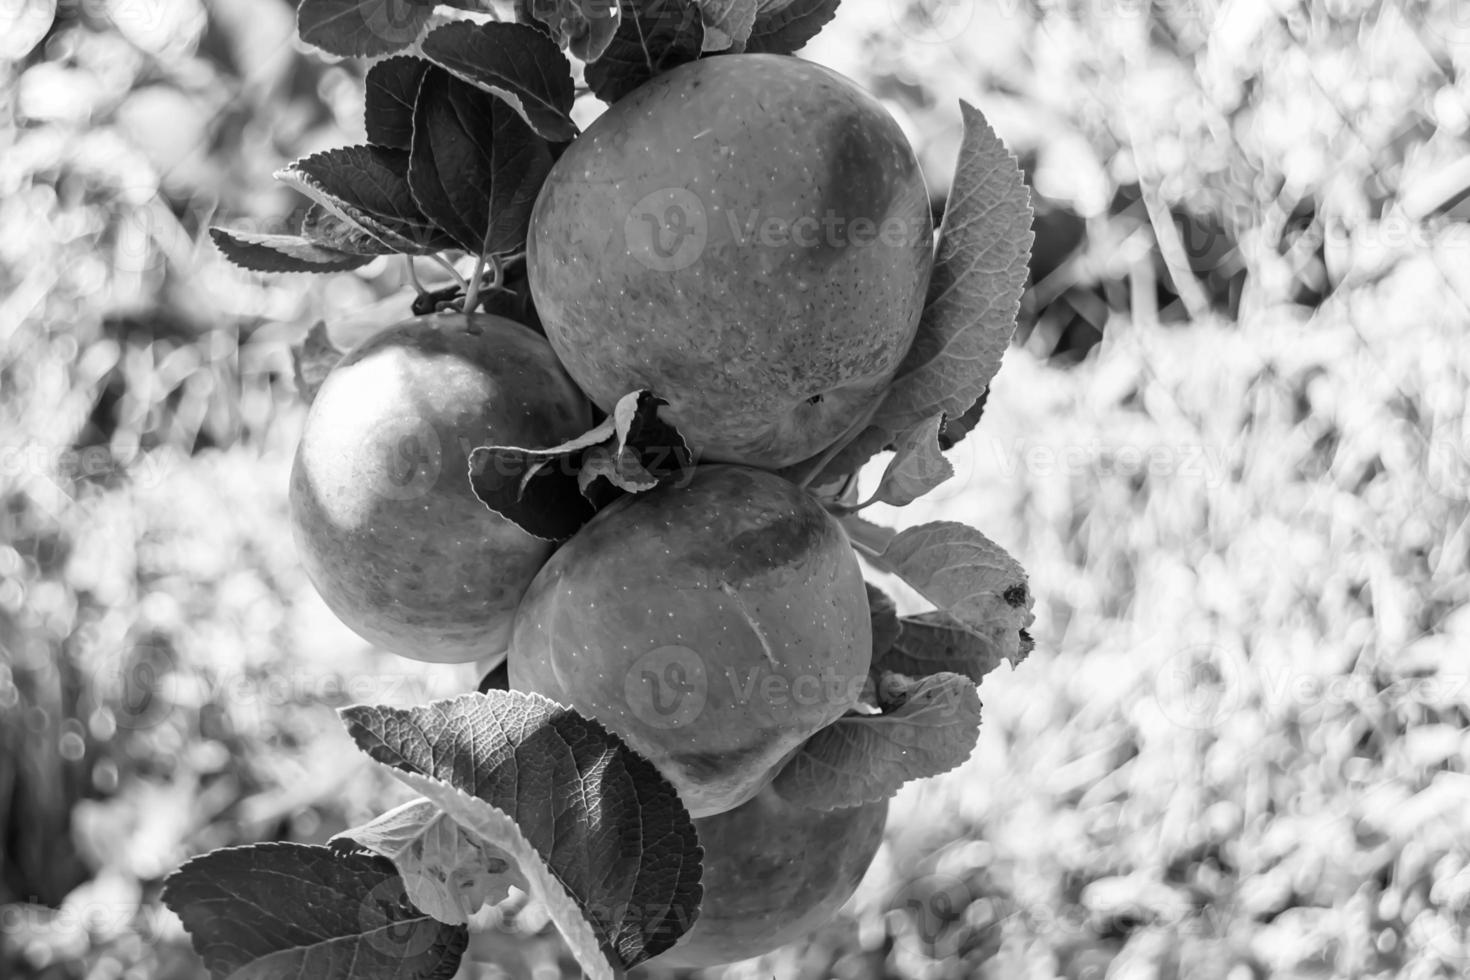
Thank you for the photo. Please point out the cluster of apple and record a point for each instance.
(749, 239)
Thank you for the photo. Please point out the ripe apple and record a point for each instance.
(713, 626)
(386, 522)
(773, 873)
(749, 237)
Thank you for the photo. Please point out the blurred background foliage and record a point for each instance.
(1231, 446)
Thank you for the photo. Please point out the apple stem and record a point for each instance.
(413, 275)
(472, 293)
(448, 268)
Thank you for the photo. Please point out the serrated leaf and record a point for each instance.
(545, 492)
(975, 291)
(934, 643)
(390, 90)
(515, 63)
(884, 617)
(332, 231)
(727, 23)
(368, 186)
(583, 27)
(449, 873)
(282, 253)
(361, 28)
(600, 836)
(784, 26)
(652, 37)
(313, 359)
(476, 167)
(274, 910)
(917, 465)
(960, 570)
(974, 294)
(929, 726)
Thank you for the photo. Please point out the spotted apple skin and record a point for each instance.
(714, 626)
(748, 236)
(775, 872)
(386, 523)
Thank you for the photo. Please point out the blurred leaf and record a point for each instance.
(515, 63)
(652, 37)
(392, 86)
(296, 910)
(784, 26)
(362, 28)
(281, 253)
(313, 359)
(600, 836)
(928, 726)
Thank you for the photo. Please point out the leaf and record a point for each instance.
(332, 231)
(513, 62)
(313, 359)
(368, 186)
(884, 616)
(975, 291)
(545, 492)
(958, 569)
(274, 910)
(933, 643)
(928, 726)
(282, 253)
(784, 26)
(600, 836)
(727, 23)
(584, 27)
(974, 294)
(956, 429)
(449, 873)
(390, 90)
(917, 465)
(475, 167)
(652, 37)
(361, 28)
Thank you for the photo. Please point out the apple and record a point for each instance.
(714, 626)
(387, 525)
(774, 872)
(747, 236)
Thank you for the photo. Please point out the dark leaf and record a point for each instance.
(282, 253)
(293, 910)
(361, 28)
(652, 37)
(368, 185)
(784, 26)
(513, 62)
(391, 88)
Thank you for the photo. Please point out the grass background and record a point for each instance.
(1231, 447)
